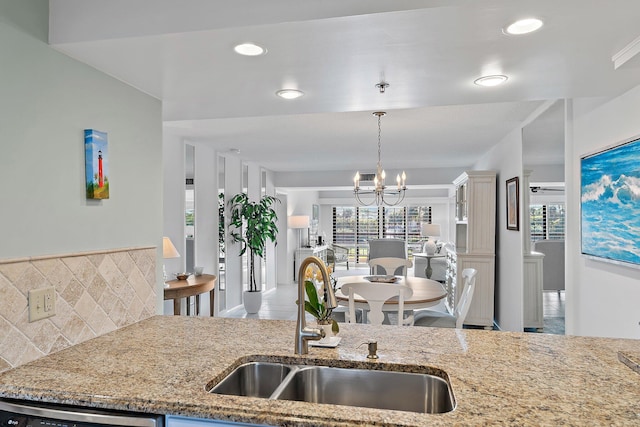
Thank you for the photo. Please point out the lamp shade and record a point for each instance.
(430, 230)
(168, 249)
(298, 221)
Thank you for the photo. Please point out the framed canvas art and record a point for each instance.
(96, 164)
(513, 204)
(610, 203)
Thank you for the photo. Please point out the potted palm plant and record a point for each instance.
(259, 221)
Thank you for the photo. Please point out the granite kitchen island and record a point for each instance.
(162, 365)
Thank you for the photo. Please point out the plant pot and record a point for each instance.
(326, 327)
(252, 301)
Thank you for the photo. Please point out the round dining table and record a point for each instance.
(426, 293)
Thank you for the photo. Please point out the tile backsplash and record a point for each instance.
(96, 292)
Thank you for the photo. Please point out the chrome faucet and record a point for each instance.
(304, 334)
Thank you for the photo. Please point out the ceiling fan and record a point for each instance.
(535, 189)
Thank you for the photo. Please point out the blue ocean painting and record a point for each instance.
(610, 203)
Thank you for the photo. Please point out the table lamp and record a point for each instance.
(430, 230)
(168, 251)
(298, 222)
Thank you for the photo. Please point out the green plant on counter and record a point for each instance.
(318, 308)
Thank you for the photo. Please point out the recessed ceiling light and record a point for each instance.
(289, 93)
(250, 49)
(524, 26)
(491, 80)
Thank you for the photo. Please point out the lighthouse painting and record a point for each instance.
(96, 164)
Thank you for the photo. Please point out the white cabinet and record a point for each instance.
(532, 292)
(475, 238)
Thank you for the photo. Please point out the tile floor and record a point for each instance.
(280, 304)
(553, 312)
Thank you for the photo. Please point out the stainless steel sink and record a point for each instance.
(255, 379)
(372, 389)
(401, 391)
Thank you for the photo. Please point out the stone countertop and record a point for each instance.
(162, 365)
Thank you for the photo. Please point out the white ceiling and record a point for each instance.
(181, 51)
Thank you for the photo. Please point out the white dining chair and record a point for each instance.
(438, 319)
(376, 294)
(390, 265)
(379, 248)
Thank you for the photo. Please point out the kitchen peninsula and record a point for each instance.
(163, 364)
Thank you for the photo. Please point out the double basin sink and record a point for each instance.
(402, 391)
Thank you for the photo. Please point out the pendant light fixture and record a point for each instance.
(379, 194)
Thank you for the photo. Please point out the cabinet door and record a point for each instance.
(481, 221)
(461, 202)
(532, 292)
(482, 304)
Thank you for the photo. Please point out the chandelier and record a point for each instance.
(379, 194)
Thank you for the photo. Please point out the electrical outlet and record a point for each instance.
(42, 303)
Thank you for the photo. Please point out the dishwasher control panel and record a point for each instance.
(8, 419)
(19, 413)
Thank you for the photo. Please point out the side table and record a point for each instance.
(193, 286)
(428, 271)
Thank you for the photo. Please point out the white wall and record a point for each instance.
(233, 262)
(298, 203)
(174, 202)
(302, 180)
(546, 173)
(602, 298)
(284, 271)
(506, 159)
(272, 247)
(47, 100)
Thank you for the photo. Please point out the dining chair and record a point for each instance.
(337, 254)
(376, 294)
(379, 248)
(386, 248)
(390, 265)
(438, 319)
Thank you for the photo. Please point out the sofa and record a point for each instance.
(552, 264)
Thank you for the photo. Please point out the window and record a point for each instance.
(547, 221)
(416, 215)
(189, 212)
(354, 226)
(344, 226)
(393, 223)
(368, 228)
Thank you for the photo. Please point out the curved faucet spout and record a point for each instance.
(304, 334)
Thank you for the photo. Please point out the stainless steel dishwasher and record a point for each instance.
(21, 413)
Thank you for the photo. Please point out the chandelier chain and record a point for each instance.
(379, 144)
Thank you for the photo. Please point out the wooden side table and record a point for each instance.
(193, 286)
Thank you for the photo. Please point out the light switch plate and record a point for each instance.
(42, 303)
